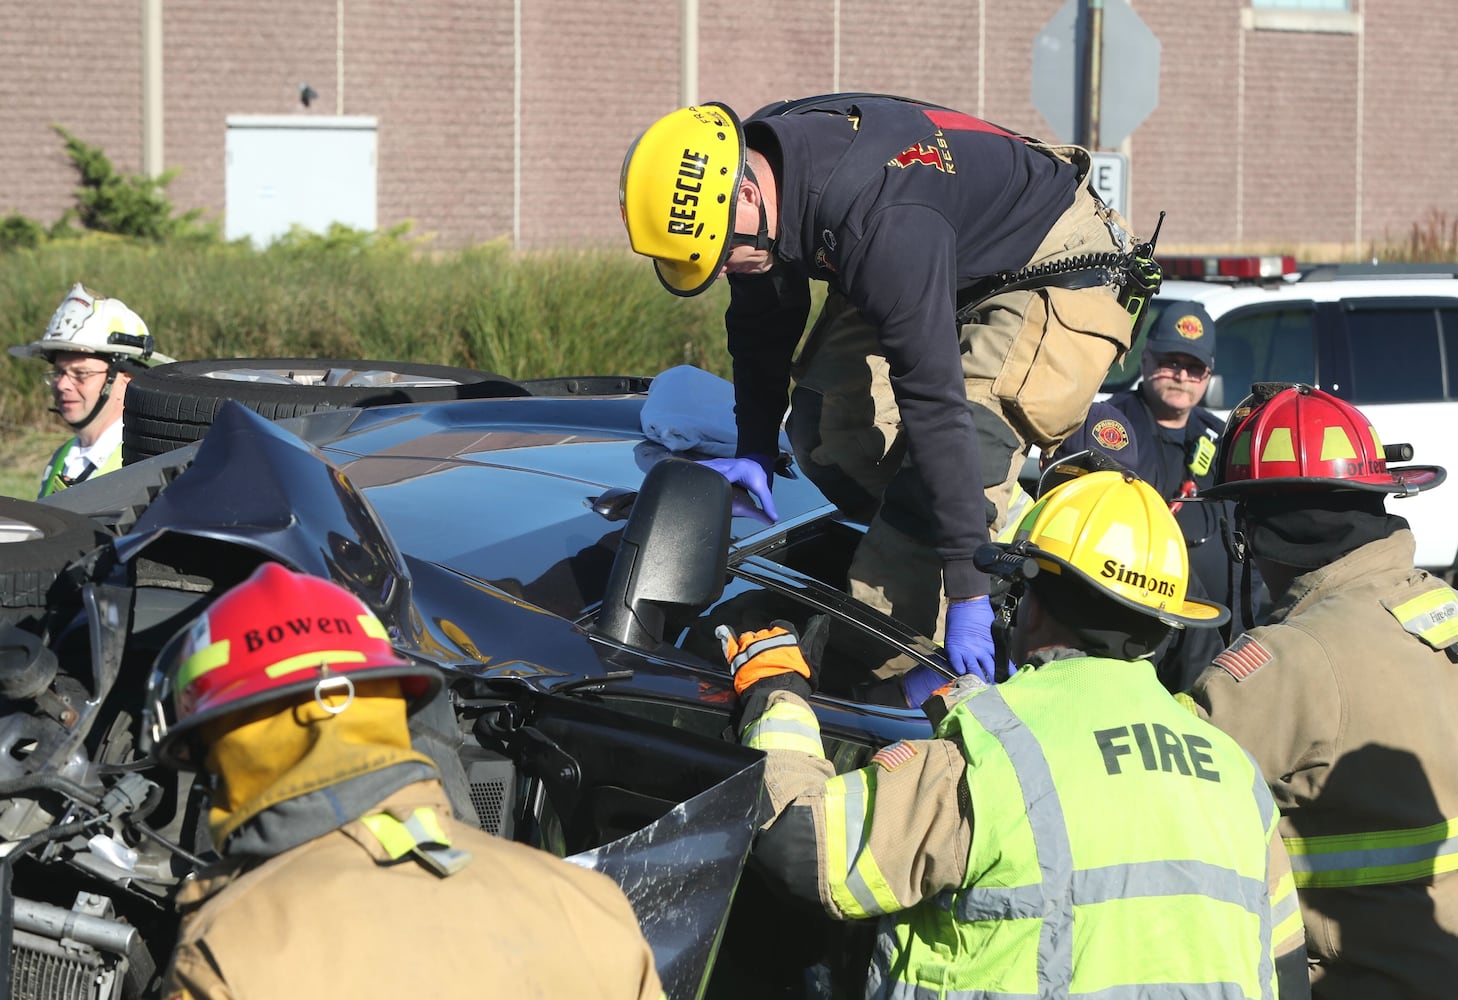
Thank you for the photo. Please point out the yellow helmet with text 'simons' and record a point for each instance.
(677, 194)
(1113, 532)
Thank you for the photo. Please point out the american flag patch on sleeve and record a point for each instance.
(892, 757)
(1243, 658)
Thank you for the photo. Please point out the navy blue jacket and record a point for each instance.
(966, 202)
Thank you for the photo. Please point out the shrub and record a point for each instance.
(18, 231)
(135, 206)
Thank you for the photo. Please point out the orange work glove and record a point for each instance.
(769, 655)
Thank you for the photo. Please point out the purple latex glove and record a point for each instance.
(755, 474)
(918, 683)
(969, 638)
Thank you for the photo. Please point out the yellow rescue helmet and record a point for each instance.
(1117, 535)
(678, 191)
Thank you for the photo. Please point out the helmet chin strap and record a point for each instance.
(761, 240)
(78, 425)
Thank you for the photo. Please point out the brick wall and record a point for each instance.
(1280, 162)
(437, 75)
(234, 57)
(76, 64)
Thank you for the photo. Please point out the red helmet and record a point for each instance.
(275, 635)
(1286, 435)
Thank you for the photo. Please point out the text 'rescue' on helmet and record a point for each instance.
(275, 636)
(89, 323)
(1287, 436)
(677, 193)
(1114, 533)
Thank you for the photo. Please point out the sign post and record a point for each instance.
(1126, 65)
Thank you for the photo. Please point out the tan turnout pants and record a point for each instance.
(1031, 362)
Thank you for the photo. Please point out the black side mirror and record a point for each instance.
(674, 553)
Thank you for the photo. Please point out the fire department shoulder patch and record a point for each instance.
(1111, 434)
(1243, 658)
(892, 757)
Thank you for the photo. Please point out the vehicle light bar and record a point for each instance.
(1251, 267)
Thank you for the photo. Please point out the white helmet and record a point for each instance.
(88, 323)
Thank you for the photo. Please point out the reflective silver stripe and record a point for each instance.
(1050, 838)
(1165, 991)
(1424, 855)
(853, 809)
(1168, 878)
(1111, 882)
(879, 981)
(760, 646)
(996, 904)
(1266, 969)
(1143, 991)
(797, 734)
(1431, 616)
(1282, 909)
(1262, 793)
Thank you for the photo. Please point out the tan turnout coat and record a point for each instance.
(1353, 719)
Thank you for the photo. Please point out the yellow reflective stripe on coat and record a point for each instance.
(857, 887)
(1285, 910)
(421, 836)
(1432, 617)
(785, 725)
(400, 838)
(1380, 858)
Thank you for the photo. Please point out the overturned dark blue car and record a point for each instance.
(566, 571)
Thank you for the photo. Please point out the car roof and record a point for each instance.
(509, 485)
(1222, 297)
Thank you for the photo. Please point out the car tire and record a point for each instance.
(173, 405)
(37, 542)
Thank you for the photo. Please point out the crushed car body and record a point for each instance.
(566, 572)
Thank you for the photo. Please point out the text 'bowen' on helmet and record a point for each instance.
(1116, 534)
(275, 636)
(1288, 436)
(89, 323)
(678, 191)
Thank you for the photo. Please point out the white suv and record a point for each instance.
(1384, 337)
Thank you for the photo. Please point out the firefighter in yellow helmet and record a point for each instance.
(1071, 831)
(1347, 696)
(978, 292)
(94, 345)
(345, 874)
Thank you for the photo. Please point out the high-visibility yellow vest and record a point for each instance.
(1107, 823)
(51, 479)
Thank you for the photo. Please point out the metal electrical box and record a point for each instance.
(308, 171)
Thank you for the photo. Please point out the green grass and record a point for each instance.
(386, 296)
(521, 315)
(23, 453)
(351, 295)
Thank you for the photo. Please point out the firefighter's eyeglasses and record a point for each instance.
(78, 376)
(1195, 371)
